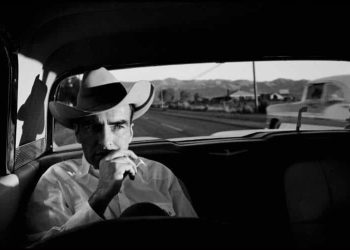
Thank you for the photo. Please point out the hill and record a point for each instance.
(174, 88)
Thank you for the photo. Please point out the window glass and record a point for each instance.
(67, 92)
(334, 93)
(284, 87)
(221, 99)
(33, 86)
(190, 100)
(314, 92)
(30, 104)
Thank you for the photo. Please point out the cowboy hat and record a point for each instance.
(99, 92)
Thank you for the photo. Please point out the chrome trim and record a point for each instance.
(29, 152)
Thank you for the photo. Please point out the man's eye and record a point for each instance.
(117, 126)
(90, 127)
(87, 126)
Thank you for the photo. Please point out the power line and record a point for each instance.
(207, 71)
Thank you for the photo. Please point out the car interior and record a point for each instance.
(288, 189)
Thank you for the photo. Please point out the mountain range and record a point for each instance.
(219, 87)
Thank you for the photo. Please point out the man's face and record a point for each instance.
(101, 133)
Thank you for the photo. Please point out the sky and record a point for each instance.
(265, 71)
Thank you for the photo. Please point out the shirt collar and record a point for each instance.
(86, 168)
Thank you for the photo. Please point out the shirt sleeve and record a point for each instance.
(181, 205)
(48, 212)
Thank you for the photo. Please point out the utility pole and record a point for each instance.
(255, 90)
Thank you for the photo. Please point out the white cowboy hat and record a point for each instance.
(99, 92)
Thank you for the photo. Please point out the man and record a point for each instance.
(110, 179)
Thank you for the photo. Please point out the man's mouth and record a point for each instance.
(100, 155)
(103, 153)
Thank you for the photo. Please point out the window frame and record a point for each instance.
(52, 96)
(321, 99)
(9, 101)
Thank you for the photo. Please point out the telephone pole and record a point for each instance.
(255, 90)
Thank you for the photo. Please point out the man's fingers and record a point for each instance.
(125, 169)
(132, 163)
(116, 154)
(112, 155)
(123, 161)
(134, 168)
(132, 155)
(122, 165)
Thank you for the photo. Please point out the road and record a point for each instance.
(173, 124)
(164, 124)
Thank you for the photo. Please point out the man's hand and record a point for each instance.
(112, 169)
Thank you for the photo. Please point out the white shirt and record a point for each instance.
(60, 199)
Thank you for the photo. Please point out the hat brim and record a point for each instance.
(141, 95)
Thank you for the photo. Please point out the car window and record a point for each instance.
(190, 100)
(67, 92)
(222, 99)
(334, 93)
(315, 91)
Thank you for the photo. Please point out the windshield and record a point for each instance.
(224, 99)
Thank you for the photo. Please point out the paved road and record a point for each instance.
(163, 124)
(172, 124)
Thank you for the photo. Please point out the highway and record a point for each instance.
(175, 124)
(166, 124)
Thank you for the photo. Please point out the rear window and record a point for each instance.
(224, 99)
(315, 91)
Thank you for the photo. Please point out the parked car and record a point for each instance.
(327, 101)
(198, 107)
(261, 188)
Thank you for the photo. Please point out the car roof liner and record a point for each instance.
(205, 31)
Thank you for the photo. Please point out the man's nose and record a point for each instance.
(106, 139)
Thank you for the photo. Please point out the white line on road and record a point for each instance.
(169, 126)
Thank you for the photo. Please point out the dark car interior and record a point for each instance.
(288, 189)
(277, 200)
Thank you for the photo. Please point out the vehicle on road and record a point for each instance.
(327, 101)
(198, 107)
(252, 187)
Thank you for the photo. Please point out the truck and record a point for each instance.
(325, 100)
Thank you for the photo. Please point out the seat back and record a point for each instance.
(16, 190)
(318, 201)
(14, 196)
